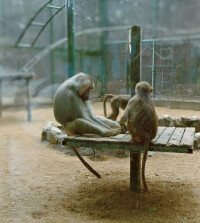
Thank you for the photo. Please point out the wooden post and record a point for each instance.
(133, 64)
(135, 171)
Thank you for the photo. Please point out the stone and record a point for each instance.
(197, 141)
(166, 120)
(52, 133)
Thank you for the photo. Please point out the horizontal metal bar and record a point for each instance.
(26, 45)
(37, 24)
(175, 38)
(53, 7)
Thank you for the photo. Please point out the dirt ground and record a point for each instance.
(41, 184)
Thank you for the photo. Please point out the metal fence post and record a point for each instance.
(71, 40)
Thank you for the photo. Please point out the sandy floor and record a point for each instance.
(40, 184)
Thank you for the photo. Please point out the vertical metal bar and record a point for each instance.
(70, 34)
(135, 165)
(52, 62)
(28, 100)
(2, 17)
(153, 66)
(128, 61)
(103, 11)
(0, 98)
(81, 62)
(154, 27)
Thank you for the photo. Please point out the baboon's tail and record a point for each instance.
(85, 163)
(104, 102)
(146, 149)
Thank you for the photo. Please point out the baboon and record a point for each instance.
(73, 110)
(116, 102)
(141, 118)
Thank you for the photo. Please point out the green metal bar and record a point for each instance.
(155, 18)
(37, 24)
(53, 7)
(2, 17)
(103, 10)
(154, 27)
(30, 21)
(47, 22)
(71, 41)
(52, 62)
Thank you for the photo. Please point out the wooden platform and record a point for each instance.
(168, 139)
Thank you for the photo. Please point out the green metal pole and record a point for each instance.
(155, 18)
(103, 11)
(52, 61)
(71, 41)
(154, 28)
(2, 17)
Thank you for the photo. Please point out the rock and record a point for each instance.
(178, 123)
(197, 141)
(150, 153)
(165, 121)
(196, 124)
(187, 121)
(52, 133)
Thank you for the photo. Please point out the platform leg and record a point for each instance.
(0, 99)
(135, 171)
(28, 100)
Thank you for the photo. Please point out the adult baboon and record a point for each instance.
(73, 109)
(116, 102)
(141, 118)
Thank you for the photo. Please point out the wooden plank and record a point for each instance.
(188, 138)
(126, 138)
(72, 137)
(120, 136)
(159, 132)
(176, 137)
(165, 136)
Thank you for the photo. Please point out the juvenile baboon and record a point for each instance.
(141, 118)
(73, 110)
(116, 102)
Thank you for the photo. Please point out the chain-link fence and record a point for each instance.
(172, 67)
